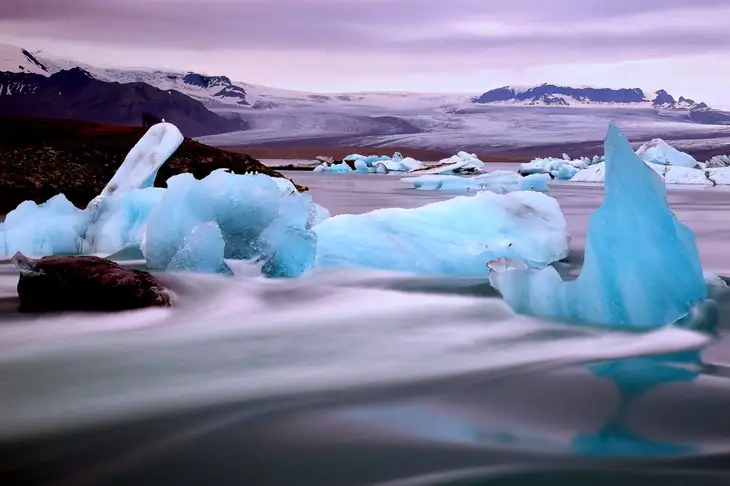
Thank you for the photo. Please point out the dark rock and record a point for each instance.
(84, 283)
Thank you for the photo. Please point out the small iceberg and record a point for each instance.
(372, 164)
(500, 182)
(461, 163)
(642, 266)
(661, 153)
(563, 168)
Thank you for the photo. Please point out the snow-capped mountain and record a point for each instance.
(211, 90)
(16, 60)
(553, 95)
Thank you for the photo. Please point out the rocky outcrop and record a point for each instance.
(42, 158)
(84, 283)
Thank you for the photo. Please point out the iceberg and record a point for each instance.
(454, 237)
(559, 168)
(716, 162)
(661, 153)
(199, 223)
(459, 163)
(642, 266)
(500, 181)
(341, 168)
(56, 227)
(382, 164)
(669, 174)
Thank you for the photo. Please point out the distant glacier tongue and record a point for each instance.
(642, 266)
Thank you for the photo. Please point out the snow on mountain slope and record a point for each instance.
(13, 59)
(211, 90)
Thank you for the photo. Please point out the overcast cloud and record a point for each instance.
(433, 45)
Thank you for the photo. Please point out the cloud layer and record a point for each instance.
(402, 37)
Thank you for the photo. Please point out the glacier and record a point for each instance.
(642, 268)
(453, 237)
(500, 182)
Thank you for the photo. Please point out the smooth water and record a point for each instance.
(354, 378)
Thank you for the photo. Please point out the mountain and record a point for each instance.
(17, 60)
(75, 94)
(211, 90)
(553, 95)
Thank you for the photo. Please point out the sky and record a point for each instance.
(395, 45)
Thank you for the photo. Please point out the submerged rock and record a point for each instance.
(84, 283)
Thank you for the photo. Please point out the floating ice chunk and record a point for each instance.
(660, 152)
(254, 220)
(341, 168)
(553, 166)
(500, 181)
(411, 164)
(454, 237)
(141, 164)
(642, 266)
(566, 172)
(55, 227)
(459, 163)
(669, 174)
(362, 166)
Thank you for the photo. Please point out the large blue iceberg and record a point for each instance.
(642, 266)
(454, 237)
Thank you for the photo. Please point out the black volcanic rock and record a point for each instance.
(227, 88)
(84, 283)
(76, 95)
(596, 95)
(41, 158)
(663, 98)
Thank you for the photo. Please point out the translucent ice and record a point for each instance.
(382, 164)
(246, 212)
(642, 266)
(55, 227)
(499, 181)
(454, 237)
(341, 168)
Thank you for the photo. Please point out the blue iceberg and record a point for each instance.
(454, 237)
(230, 216)
(499, 181)
(642, 266)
